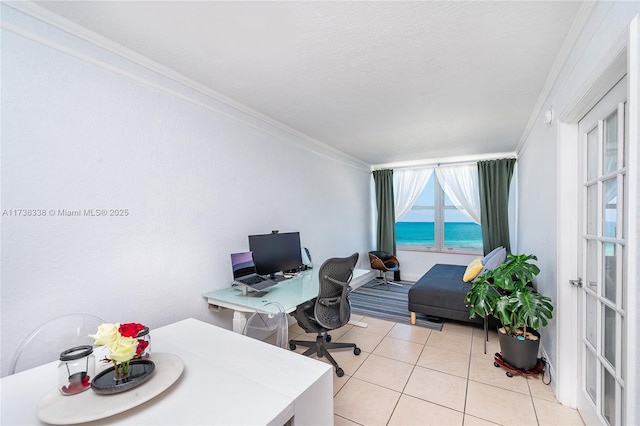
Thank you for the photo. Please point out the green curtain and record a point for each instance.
(495, 178)
(386, 230)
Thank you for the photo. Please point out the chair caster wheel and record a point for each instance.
(495, 364)
(356, 351)
(327, 338)
(292, 346)
(339, 372)
(508, 373)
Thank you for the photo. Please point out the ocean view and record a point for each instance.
(456, 234)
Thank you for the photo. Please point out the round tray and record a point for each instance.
(105, 384)
(59, 409)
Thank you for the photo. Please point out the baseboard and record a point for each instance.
(550, 370)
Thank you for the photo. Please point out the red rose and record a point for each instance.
(130, 329)
(142, 345)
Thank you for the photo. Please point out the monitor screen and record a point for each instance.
(242, 264)
(276, 252)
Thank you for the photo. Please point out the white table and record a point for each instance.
(228, 379)
(288, 293)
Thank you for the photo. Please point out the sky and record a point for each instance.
(426, 199)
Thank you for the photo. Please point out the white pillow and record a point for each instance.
(496, 259)
(491, 254)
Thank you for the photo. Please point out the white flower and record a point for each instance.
(106, 335)
(123, 348)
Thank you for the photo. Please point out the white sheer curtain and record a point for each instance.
(407, 187)
(460, 183)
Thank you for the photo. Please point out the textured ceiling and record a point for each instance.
(381, 81)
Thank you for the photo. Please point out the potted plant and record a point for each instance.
(506, 293)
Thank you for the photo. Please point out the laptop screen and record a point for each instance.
(242, 264)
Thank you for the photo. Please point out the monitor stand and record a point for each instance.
(245, 292)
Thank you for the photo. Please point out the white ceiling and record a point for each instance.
(384, 82)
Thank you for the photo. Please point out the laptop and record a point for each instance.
(244, 272)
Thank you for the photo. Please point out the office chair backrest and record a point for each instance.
(382, 255)
(332, 309)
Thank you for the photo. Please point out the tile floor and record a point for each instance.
(410, 375)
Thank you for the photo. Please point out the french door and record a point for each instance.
(602, 296)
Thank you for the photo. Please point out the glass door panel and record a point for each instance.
(609, 335)
(603, 241)
(611, 144)
(610, 271)
(610, 216)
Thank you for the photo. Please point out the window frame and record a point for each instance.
(438, 223)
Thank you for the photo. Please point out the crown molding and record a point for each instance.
(185, 89)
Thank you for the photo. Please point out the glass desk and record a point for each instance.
(288, 293)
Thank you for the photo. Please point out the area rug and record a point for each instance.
(378, 301)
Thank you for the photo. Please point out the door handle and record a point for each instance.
(577, 283)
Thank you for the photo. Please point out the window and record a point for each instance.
(435, 223)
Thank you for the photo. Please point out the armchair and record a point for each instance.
(384, 262)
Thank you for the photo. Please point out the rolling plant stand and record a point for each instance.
(513, 371)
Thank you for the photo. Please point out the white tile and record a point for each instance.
(400, 350)
(365, 340)
(385, 372)
(378, 326)
(399, 379)
(414, 411)
(465, 329)
(541, 390)
(365, 403)
(499, 405)
(440, 388)
(455, 342)
(412, 333)
(455, 363)
(552, 413)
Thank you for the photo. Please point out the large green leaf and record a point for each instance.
(516, 272)
(481, 299)
(530, 309)
(504, 311)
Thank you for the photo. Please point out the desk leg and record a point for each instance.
(239, 321)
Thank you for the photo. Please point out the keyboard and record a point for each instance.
(252, 280)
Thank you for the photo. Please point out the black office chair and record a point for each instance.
(329, 311)
(385, 262)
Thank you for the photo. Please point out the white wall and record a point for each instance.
(542, 173)
(83, 128)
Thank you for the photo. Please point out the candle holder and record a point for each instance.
(76, 369)
(144, 344)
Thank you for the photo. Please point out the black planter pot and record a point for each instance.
(522, 354)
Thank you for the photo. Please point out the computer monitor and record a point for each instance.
(276, 252)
